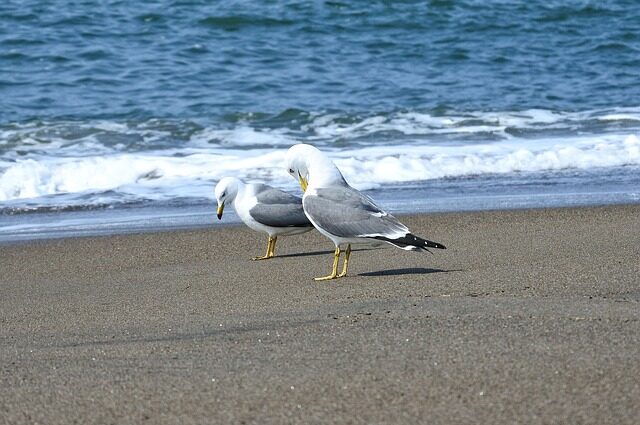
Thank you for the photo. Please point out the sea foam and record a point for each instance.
(97, 162)
(366, 167)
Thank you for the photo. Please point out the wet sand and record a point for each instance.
(529, 316)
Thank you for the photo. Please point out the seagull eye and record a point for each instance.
(290, 171)
(224, 194)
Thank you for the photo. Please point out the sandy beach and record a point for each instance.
(529, 316)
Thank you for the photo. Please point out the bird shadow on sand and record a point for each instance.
(305, 254)
(406, 271)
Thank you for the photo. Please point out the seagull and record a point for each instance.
(264, 209)
(342, 213)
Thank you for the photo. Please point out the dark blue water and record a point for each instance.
(436, 105)
(219, 60)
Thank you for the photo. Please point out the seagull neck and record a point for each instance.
(323, 174)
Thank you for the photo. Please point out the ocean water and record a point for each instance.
(120, 116)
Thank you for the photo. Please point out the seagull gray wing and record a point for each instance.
(345, 212)
(278, 209)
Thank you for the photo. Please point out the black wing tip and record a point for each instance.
(436, 245)
(431, 244)
(412, 241)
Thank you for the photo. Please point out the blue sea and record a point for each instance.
(120, 116)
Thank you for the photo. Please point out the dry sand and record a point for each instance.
(528, 317)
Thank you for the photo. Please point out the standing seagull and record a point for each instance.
(340, 212)
(264, 209)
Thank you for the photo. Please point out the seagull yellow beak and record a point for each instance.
(303, 183)
(220, 209)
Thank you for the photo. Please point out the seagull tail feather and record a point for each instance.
(411, 242)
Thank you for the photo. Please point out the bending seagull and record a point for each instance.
(340, 212)
(264, 209)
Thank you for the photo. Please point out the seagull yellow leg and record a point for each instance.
(334, 272)
(273, 247)
(270, 247)
(345, 266)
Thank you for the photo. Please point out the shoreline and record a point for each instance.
(528, 316)
(32, 226)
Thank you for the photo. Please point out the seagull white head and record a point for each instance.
(310, 167)
(226, 191)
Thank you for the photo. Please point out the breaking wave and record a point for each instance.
(98, 163)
